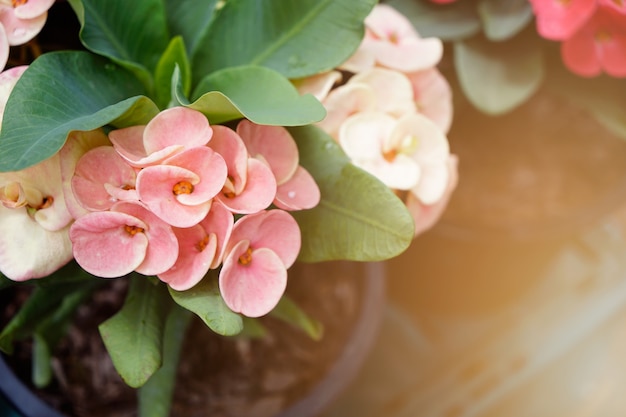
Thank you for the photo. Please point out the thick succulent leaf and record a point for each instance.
(358, 217)
(295, 37)
(174, 57)
(453, 21)
(288, 311)
(134, 335)
(189, 19)
(55, 96)
(109, 28)
(514, 70)
(206, 302)
(256, 93)
(155, 396)
(503, 19)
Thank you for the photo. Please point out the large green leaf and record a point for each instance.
(498, 76)
(189, 19)
(256, 93)
(206, 302)
(503, 19)
(133, 34)
(174, 57)
(358, 217)
(155, 396)
(64, 91)
(454, 21)
(295, 37)
(134, 335)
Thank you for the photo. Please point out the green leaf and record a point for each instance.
(256, 93)
(189, 19)
(498, 76)
(206, 302)
(134, 335)
(41, 368)
(503, 19)
(40, 304)
(297, 38)
(252, 329)
(64, 91)
(358, 217)
(288, 311)
(155, 396)
(132, 34)
(449, 22)
(174, 56)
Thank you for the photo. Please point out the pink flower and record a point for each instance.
(102, 178)
(180, 189)
(391, 41)
(559, 19)
(171, 131)
(8, 79)
(261, 249)
(127, 238)
(317, 85)
(433, 96)
(20, 21)
(296, 188)
(599, 46)
(200, 248)
(443, 1)
(250, 185)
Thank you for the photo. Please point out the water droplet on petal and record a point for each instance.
(291, 194)
(19, 32)
(328, 145)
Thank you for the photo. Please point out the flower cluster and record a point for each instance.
(20, 21)
(592, 32)
(161, 199)
(392, 115)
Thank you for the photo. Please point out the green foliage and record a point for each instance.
(189, 19)
(205, 301)
(288, 311)
(294, 37)
(134, 335)
(54, 97)
(503, 19)
(134, 37)
(257, 93)
(358, 217)
(514, 70)
(173, 57)
(449, 22)
(155, 396)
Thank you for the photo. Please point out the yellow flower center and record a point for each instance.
(246, 258)
(182, 187)
(133, 230)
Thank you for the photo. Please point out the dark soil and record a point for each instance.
(218, 376)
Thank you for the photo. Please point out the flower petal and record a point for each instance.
(343, 102)
(177, 126)
(32, 8)
(392, 89)
(259, 192)
(19, 31)
(363, 135)
(299, 193)
(317, 85)
(433, 96)
(254, 289)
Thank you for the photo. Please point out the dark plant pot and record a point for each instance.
(22, 401)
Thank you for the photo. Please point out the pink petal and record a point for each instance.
(219, 222)
(19, 31)
(343, 102)
(162, 248)
(196, 251)
(299, 193)
(426, 216)
(579, 56)
(33, 8)
(77, 144)
(253, 289)
(102, 245)
(210, 168)
(258, 193)
(558, 20)
(363, 135)
(273, 229)
(129, 144)
(409, 55)
(433, 96)
(27, 250)
(177, 126)
(275, 144)
(98, 174)
(229, 144)
(361, 60)
(8, 78)
(155, 187)
(386, 22)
